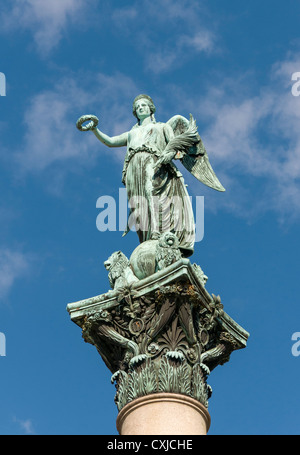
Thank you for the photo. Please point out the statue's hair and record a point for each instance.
(148, 99)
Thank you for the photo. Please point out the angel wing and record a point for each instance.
(181, 142)
(194, 158)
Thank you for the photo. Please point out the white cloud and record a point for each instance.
(49, 129)
(47, 20)
(185, 12)
(247, 134)
(201, 41)
(162, 61)
(26, 426)
(13, 265)
(257, 137)
(51, 137)
(121, 17)
(151, 23)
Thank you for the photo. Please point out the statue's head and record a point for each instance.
(149, 102)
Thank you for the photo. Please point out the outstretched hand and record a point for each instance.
(89, 126)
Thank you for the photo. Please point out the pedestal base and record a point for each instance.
(163, 414)
(160, 336)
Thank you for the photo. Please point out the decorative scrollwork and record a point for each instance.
(167, 340)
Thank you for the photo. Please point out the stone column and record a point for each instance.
(163, 414)
(161, 337)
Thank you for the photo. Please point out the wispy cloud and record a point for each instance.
(182, 20)
(51, 137)
(201, 41)
(46, 20)
(13, 265)
(251, 136)
(26, 426)
(173, 55)
(257, 137)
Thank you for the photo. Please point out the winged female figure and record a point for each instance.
(157, 195)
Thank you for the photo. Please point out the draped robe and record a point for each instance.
(158, 200)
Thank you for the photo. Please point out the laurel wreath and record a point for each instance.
(93, 122)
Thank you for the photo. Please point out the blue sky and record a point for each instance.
(228, 63)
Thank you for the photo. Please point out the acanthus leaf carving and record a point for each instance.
(167, 340)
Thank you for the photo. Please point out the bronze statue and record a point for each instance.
(157, 195)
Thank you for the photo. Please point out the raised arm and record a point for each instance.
(114, 141)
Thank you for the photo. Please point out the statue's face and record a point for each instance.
(142, 109)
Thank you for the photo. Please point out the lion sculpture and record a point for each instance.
(167, 250)
(120, 273)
